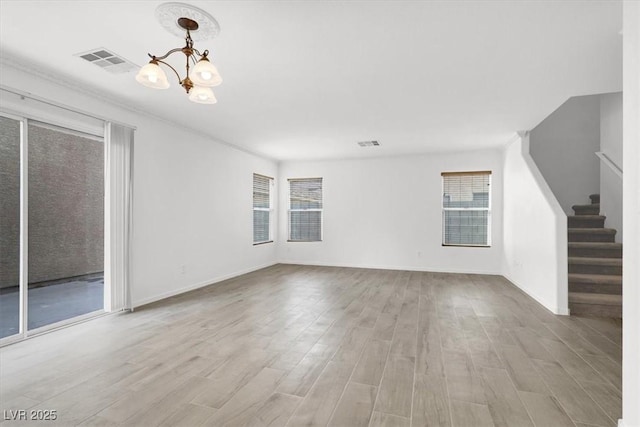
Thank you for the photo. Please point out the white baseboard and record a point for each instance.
(391, 267)
(145, 301)
(562, 311)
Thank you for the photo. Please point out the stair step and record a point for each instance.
(592, 209)
(596, 261)
(585, 221)
(586, 265)
(595, 289)
(595, 249)
(595, 198)
(596, 279)
(595, 283)
(605, 305)
(592, 235)
(589, 298)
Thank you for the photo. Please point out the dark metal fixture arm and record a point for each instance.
(173, 69)
(166, 55)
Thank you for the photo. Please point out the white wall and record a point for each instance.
(611, 126)
(611, 146)
(563, 147)
(385, 213)
(192, 197)
(535, 231)
(631, 217)
(192, 208)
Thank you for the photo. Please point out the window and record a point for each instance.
(466, 208)
(262, 207)
(305, 210)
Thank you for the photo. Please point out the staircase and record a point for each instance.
(595, 263)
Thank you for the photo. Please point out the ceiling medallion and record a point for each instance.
(168, 15)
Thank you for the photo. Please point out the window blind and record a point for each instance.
(261, 208)
(305, 209)
(466, 208)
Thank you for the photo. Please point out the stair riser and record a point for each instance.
(595, 252)
(595, 288)
(595, 237)
(595, 198)
(599, 310)
(587, 210)
(595, 269)
(577, 222)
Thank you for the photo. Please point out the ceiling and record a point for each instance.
(309, 79)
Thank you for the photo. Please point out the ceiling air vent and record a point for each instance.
(108, 61)
(368, 143)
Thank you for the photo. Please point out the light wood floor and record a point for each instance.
(303, 346)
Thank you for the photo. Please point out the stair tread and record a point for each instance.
(608, 279)
(591, 298)
(586, 221)
(592, 209)
(595, 261)
(595, 245)
(598, 230)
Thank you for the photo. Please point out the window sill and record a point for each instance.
(465, 246)
(303, 241)
(262, 243)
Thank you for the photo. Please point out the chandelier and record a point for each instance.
(200, 75)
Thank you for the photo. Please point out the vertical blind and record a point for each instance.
(261, 208)
(305, 209)
(118, 216)
(466, 208)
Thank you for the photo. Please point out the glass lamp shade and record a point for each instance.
(205, 74)
(151, 75)
(202, 95)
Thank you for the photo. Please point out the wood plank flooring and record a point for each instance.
(322, 346)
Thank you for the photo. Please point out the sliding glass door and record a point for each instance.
(65, 223)
(51, 225)
(10, 297)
